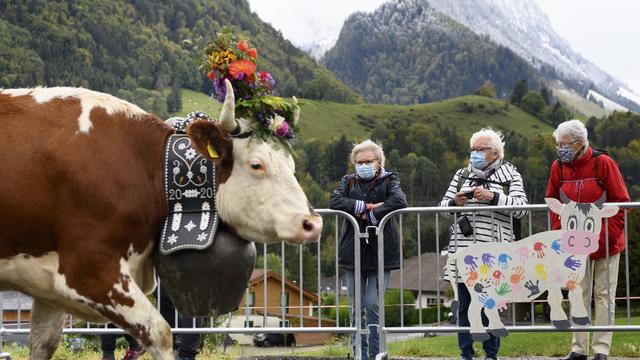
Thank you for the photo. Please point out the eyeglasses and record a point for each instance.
(481, 148)
(566, 145)
(365, 162)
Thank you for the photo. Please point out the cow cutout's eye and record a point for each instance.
(256, 166)
(589, 225)
(572, 223)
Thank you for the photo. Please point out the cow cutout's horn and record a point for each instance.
(228, 114)
(296, 112)
(602, 199)
(564, 198)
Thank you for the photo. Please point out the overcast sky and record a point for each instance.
(607, 32)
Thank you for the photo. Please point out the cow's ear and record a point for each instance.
(554, 204)
(609, 211)
(210, 140)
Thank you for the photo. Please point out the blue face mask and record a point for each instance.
(477, 159)
(366, 171)
(565, 154)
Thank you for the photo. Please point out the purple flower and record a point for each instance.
(283, 130)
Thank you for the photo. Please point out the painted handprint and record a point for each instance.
(572, 264)
(571, 283)
(486, 301)
(479, 288)
(473, 276)
(556, 276)
(487, 259)
(524, 253)
(503, 290)
(516, 289)
(533, 288)
(517, 275)
(557, 246)
(496, 276)
(502, 306)
(503, 261)
(538, 250)
(484, 269)
(542, 274)
(470, 261)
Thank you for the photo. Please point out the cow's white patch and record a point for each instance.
(88, 100)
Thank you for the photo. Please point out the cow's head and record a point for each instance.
(258, 194)
(581, 222)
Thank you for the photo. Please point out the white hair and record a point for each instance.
(368, 145)
(495, 139)
(574, 129)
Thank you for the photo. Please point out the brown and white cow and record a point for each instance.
(82, 204)
(500, 273)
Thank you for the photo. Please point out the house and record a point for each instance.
(253, 313)
(15, 307)
(425, 288)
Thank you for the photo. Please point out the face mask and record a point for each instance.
(566, 155)
(477, 159)
(366, 171)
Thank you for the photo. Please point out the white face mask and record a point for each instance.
(366, 171)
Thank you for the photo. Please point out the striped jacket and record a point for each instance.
(487, 228)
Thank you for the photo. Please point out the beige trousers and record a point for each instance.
(604, 293)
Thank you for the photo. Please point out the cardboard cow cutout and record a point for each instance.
(500, 273)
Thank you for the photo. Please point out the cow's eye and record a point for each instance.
(572, 224)
(256, 166)
(589, 225)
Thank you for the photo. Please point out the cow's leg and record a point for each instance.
(579, 314)
(496, 327)
(558, 316)
(477, 330)
(145, 323)
(46, 329)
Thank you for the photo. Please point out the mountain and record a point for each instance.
(408, 52)
(521, 26)
(129, 46)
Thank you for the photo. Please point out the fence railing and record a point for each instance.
(425, 229)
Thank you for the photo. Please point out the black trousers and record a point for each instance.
(108, 343)
(189, 344)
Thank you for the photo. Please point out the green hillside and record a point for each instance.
(325, 120)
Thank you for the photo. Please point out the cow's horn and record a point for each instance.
(564, 198)
(228, 113)
(602, 199)
(296, 112)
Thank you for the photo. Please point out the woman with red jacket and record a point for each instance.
(584, 174)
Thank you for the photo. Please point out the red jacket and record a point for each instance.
(580, 184)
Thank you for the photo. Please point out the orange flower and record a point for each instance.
(243, 46)
(211, 75)
(245, 67)
(253, 53)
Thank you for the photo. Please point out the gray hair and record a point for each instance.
(368, 145)
(574, 129)
(495, 139)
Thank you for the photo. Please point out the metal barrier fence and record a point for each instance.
(537, 219)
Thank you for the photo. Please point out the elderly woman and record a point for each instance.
(584, 175)
(488, 180)
(368, 194)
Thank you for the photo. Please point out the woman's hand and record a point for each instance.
(460, 199)
(371, 206)
(483, 194)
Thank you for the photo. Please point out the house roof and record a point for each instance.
(431, 274)
(257, 276)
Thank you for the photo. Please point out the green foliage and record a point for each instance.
(329, 299)
(487, 89)
(274, 263)
(393, 310)
(520, 89)
(150, 44)
(429, 315)
(427, 60)
(533, 103)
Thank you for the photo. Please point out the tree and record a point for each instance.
(547, 95)
(520, 89)
(487, 90)
(533, 103)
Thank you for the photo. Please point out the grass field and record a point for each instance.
(325, 120)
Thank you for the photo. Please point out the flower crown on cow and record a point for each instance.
(229, 58)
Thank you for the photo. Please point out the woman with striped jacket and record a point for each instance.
(489, 180)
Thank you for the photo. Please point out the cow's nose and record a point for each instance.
(311, 228)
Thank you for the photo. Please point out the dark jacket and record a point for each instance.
(383, 188)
